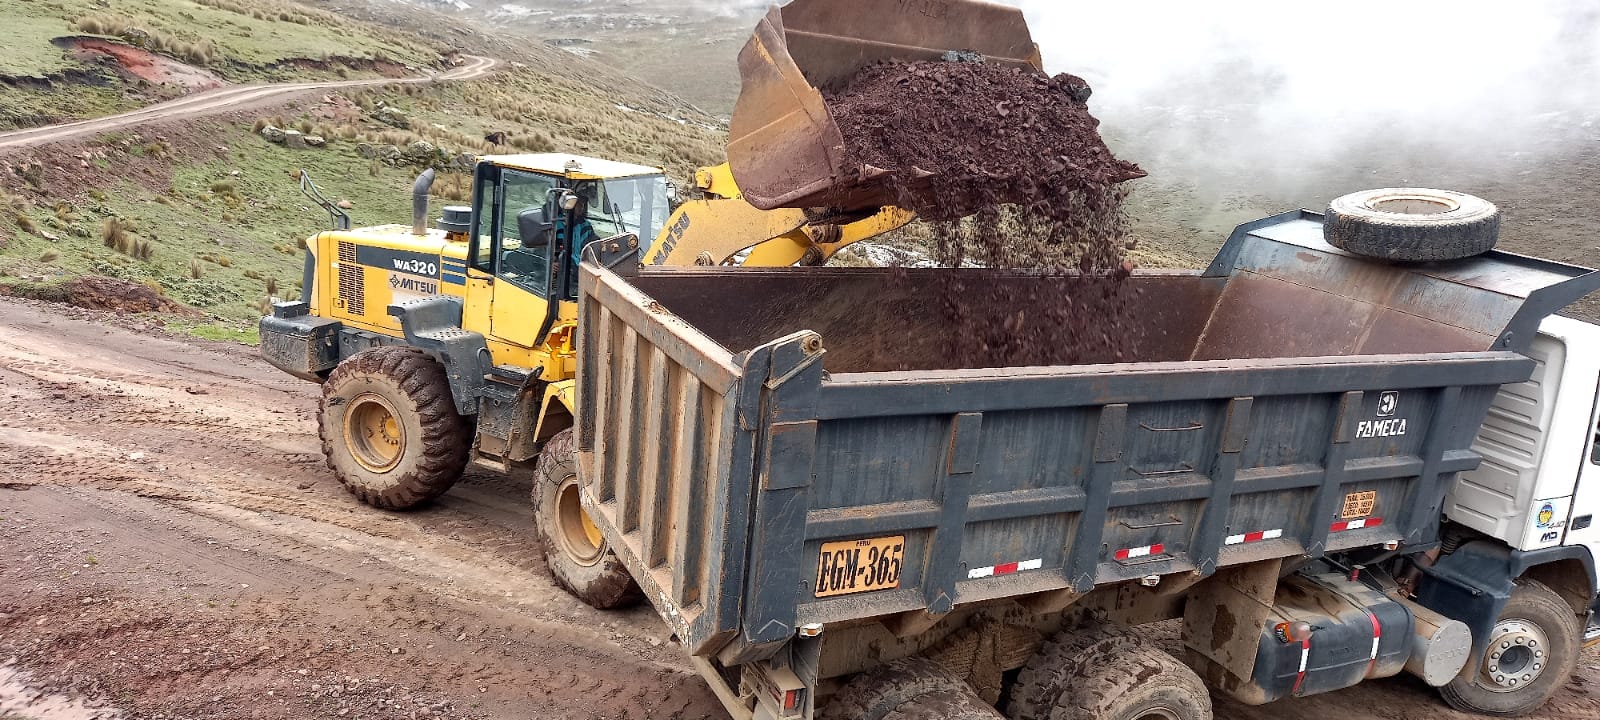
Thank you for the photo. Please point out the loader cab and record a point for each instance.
(532, 215)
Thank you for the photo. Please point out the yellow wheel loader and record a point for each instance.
(437, 347)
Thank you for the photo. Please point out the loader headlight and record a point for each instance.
(568, 201)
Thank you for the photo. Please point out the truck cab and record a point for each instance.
(1538, 487)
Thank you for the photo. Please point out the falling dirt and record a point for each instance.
(1010, 166)
(140, 64)
(19, 699)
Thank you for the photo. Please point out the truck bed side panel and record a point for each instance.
(663, 455)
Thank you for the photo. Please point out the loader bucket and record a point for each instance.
(785, 148)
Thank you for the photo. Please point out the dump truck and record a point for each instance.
(1324, 467)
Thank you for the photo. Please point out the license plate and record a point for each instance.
(1359, 504)
(857, 566)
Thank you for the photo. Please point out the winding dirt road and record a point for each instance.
(234, 97)
(171, 545)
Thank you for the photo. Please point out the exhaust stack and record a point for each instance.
(419, 203)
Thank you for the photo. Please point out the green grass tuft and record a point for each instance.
(220, 332)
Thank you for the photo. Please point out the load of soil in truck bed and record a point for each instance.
(1009, 166)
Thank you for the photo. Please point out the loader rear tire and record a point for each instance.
(1534, 616)
(390, 430)
(1412, 224)
(1053, 671)
(580, 558)
(909, 689)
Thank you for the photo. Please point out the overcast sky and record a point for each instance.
(1294, 73)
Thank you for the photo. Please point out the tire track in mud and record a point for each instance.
(487, 517)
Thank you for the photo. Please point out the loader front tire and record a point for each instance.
(390, 430)
(1412, 224)
(1531, 653)
(579, 557)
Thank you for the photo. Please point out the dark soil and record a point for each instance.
(962, 139)
(1009, 165)
(96, 292)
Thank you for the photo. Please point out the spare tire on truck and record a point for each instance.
(1412, 224)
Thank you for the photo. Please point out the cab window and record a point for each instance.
(524, 261)
(484, 186)
(503, 196)
(637, 205)
(1594, 452)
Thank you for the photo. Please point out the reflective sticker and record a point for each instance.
(1004, 569)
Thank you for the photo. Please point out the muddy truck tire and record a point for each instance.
(390, 430)
(1412, 224)
(910, 689)
(1531, 652)
(579, 556)
(1053, 673)
(1122, 678)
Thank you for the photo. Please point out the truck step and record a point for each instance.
(491, 462)
(507, 373)
(1591, 634)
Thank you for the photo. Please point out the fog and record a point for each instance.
(1287, 90)
(728, 8)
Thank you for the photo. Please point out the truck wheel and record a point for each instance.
(1129, 680)
(390, 430)
(1053, 671)
(909, 689)
(1532, 651)
(1412, 224)
(578, 555)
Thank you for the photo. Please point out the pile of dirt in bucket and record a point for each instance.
(1009, 166)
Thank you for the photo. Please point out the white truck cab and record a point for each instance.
(1539, 485)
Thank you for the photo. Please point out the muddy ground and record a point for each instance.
(171, 546)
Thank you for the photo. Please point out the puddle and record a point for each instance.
(20, 701)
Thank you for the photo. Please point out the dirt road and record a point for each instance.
(171, 545)
(235, 97)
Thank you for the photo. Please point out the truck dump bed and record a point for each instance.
(772, 449)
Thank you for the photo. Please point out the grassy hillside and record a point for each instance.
(209, 213)
(236, 40)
